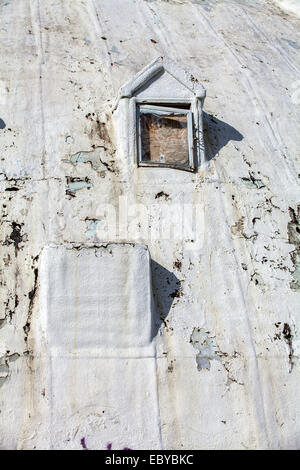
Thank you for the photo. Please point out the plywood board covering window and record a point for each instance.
(165, 136)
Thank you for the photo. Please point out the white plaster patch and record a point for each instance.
(89, 301)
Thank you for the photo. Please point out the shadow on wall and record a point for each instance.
(166, 287)
(217, 134)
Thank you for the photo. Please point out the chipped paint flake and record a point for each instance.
(206, 346)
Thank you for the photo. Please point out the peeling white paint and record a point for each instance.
(67, 156)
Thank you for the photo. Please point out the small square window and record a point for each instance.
(165, 136)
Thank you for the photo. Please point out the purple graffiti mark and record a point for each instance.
(82, 442)
(109, 447)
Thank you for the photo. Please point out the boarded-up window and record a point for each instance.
(165, 136)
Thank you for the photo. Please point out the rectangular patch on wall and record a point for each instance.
(95, 298)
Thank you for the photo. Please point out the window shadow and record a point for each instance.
(217, 134)
(165, 287)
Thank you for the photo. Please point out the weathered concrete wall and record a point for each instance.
(222, 370)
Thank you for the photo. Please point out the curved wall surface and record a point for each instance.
(149, 307)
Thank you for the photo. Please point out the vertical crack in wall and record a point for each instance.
(287, 335)
(31, 296)
(288, 338)
(293, 229)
